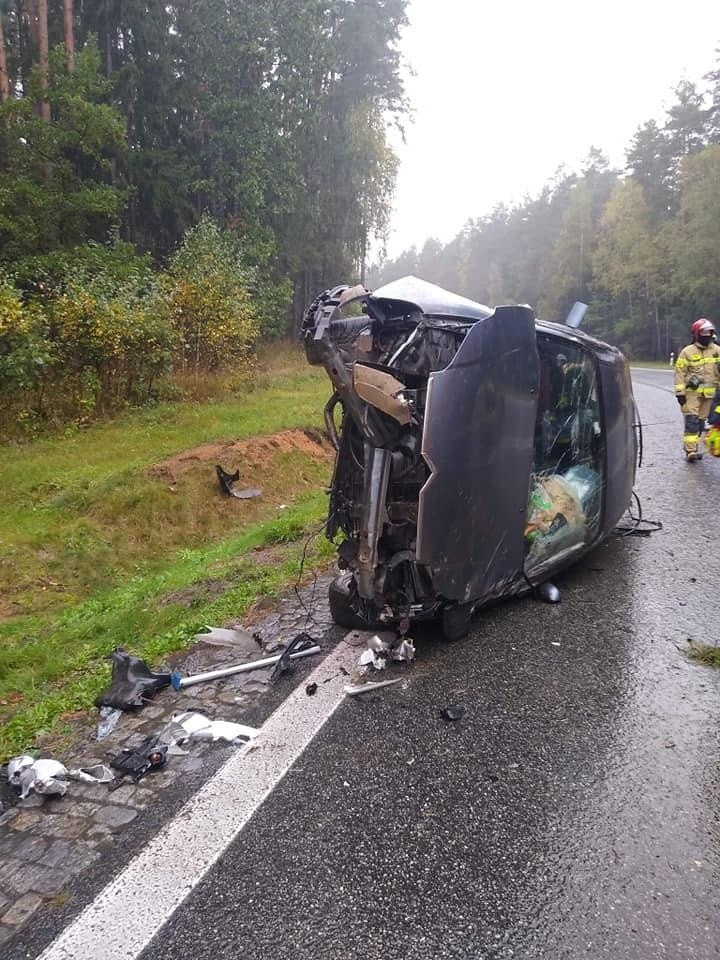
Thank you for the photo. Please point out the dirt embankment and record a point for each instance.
(253, 457)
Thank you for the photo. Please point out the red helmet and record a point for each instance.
(701, 327)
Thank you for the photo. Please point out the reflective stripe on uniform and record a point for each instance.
(691, 437)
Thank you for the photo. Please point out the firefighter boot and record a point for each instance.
(691, 438)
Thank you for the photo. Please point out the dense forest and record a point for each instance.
(640, 245)
(177, 180)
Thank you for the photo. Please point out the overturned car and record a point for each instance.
(479, 451)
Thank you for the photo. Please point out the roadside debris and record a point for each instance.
(311, 689)
(353, 689)
(452, 713)
(136, 762)
(132, 683)
(235, 637)
(196, 726)
(303, 641)
(16, 766)
(46, 776)
(109, 717)
(98, 773)
(548, 592)
(226, 481)
(380, 650)
(179, 682)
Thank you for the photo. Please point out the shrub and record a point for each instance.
(205, 297)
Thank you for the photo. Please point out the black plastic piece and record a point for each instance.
(285, 664)
(452, 713)
(226, 479)
(149, 755)
(133, 682)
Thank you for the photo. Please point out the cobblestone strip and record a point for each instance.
(47, 842)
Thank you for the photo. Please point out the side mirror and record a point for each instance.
(577, 312)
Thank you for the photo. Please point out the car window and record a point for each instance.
(565, 496)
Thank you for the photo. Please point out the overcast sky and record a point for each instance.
(506, 91)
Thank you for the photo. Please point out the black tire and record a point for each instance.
(455, 620)
(340, 610)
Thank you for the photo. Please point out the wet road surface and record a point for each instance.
(571, 812)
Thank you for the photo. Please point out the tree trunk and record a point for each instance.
(31, 14)
(69, 33)
(108, 40)
(4, 80)
(43, 56)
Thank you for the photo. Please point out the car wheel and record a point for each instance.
(340, 610)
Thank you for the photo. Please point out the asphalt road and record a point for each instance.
(571, 812)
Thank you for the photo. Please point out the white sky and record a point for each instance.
(506, 91)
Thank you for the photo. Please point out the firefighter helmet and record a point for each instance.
(701, 327)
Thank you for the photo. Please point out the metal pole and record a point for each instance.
(179, 682)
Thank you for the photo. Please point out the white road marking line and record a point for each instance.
(130, 910)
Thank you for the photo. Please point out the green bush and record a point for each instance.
(205, 298)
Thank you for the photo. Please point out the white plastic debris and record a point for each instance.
(228, 637)
(16, 766)
(380, 649)
(109, 717)
(199, 727)
(45, 777)
(98, 773)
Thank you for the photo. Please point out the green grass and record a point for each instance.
(95, 544)
(708, 655)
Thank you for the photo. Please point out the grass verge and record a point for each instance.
(118, 536)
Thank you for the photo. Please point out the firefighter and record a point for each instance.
(697, 376)
(713, 434)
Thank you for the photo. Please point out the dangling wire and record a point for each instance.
(296, 588)
(638, 526)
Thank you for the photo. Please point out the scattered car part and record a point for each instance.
(16, 766)
(109, 717)
(226, 481)
(98, 773)
(381, 649)
(197, 726)
(548, 592)
(353, 689)
(230, 637)
(444, 414)
(452, 713)
(132, 683)
(45, 776)
(302, 641)
(179, 682)
(136, 762)
(311, 689)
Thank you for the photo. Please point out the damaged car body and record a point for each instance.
(478, 450)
